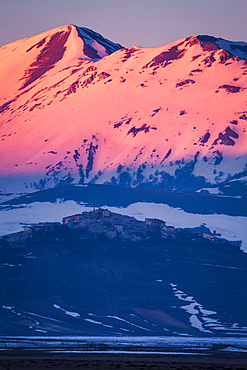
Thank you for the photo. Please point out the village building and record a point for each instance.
(111, 232)
(44, 226)
(119, 227)
(154, 222)
(97, 214)
(106, 213)
(33, 230)
(207, 236)
(72, 221)
(168, 232)
(82, 219)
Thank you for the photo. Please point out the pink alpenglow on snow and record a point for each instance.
(77, 107)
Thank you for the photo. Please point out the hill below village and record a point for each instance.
(155, 285)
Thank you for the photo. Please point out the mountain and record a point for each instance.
(79, 111)
(76, 107)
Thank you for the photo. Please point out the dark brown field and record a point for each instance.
(110, 361)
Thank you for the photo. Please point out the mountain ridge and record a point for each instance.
(138, 116)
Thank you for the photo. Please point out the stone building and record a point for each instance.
(154, 222)
(168, 232)
(207, 236)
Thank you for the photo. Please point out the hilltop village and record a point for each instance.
(103, 224)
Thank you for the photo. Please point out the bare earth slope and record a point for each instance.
(77, 107)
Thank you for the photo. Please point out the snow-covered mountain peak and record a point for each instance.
(37, 56)
(137, 116)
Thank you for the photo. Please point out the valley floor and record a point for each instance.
(62, 361)
(123, 353)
